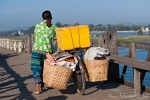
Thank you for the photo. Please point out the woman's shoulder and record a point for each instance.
(53, 26)
(40, 23)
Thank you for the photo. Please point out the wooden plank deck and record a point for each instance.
(16, 83)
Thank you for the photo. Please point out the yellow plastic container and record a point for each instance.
(64, 39)
(84, 36)
(73, 37)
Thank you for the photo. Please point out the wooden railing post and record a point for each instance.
(109, 41)
(5, 43)
(11, 45)
(20, 44)
(32, 39)
(99, 43)
(0, 42)
(29, 44)
(23, 45)
(137, 80)
(15, 44)
(8, 44)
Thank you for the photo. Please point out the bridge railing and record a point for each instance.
(23, 45)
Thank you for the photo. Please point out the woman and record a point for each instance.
(43, 38)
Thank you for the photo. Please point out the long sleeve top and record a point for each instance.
(43, 38)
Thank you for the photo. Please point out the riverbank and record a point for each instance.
(134, 38)
(129, 38)
(93, 32)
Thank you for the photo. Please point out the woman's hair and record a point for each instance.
(47, 16)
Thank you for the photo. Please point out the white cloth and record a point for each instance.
(71, 65)
(93, 52)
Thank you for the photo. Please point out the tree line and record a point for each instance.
(92, 27)
(109, 27)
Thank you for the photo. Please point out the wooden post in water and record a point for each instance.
(109, 41)
(29, 44)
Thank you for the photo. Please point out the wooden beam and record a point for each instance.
(130, 62)
(138, 45)
(123, 44)
(143, 46)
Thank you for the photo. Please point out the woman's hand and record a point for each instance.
(49, 57)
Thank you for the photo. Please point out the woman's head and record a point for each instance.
(46, 15)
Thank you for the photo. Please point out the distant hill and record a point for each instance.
(20, 28)
(25, 30)
(129, 24)
(126, 23)
(144, 24)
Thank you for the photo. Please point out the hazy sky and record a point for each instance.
(14, 13)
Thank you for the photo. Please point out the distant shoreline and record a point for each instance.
(117, 31)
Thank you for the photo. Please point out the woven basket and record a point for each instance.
(96, 70)
(56, 76)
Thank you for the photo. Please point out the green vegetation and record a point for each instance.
(96, 38)
(140, 32)
(134, 38)
(108, 27)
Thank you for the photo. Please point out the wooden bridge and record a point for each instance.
(16, 82)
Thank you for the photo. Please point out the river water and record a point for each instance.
(140, 55)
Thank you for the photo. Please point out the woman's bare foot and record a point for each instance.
(36, 91)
